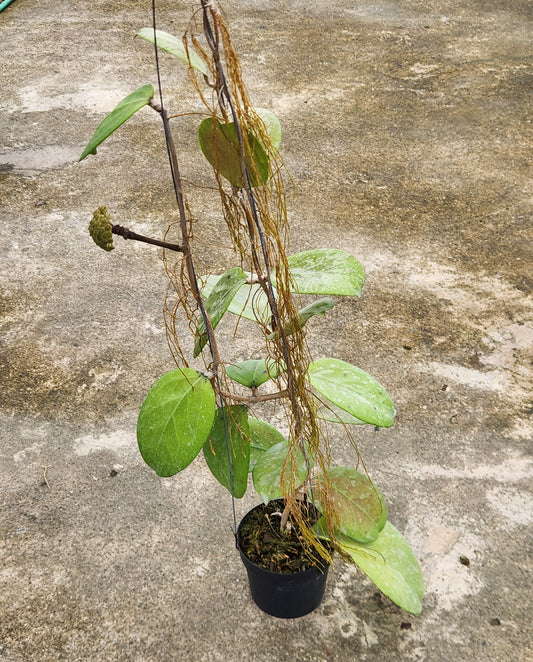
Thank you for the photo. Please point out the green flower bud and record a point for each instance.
(100, 229)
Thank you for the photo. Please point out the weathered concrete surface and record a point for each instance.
(407, 133)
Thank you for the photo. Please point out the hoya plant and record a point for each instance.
(212, 403)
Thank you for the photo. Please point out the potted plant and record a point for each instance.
(212, 401)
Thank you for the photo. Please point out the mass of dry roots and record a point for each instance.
(256, 222)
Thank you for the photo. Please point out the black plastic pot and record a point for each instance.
(285, 595)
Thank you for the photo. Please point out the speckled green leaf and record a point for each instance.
(267, 471)
(249, 302)
(390, 563)
(123, 111)
(358, 504)
(174, 46)
(218, 302)
(318, 307)
(353, 390)
(220, 145)
(326, 271)
(234, 418)
(175, 420)
(262, 437)
(333, 414)
(253, 372)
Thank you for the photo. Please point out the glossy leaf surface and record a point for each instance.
(326, 271)
(267, 472)
(318, 307)
(220, 145)
(333, 414)
(357, 502)
(253, 372)
(123, 111)
(218, 302)
(170, 44)
(262, 437)
(390, 563)
(353, 390)
(175, 420)
(234, 418)
(249, 302)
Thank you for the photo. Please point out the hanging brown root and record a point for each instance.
(256, 222)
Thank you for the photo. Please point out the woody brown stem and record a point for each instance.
(126, 233)
(186, 250)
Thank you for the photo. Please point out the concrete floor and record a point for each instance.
(407, 134)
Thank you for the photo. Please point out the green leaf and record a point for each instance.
(390, 563)
(174, 46)
(353, 390)
(333, 414)
(220, 144)
(358, 504)
(318, 307)
(262, 437)
(123, 111)
(326, 271)
(249, 302)
(217, 303)
(273, 126)
(253, 372)
(216, 449)
(175, 420)
(267, 472)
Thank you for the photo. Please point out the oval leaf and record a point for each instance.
(358, 504)
(217, 303)
(253, 373)
(234, 419)
(353, 390)
(267, 472)
(175, 420)
(390, 563)
(220, 144)
(326, 271)
(249, 302)
(262, 437)
(170, 44)
(334, 414)
(318, 307)
(123, 111)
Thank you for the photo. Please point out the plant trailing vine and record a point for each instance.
(209, 401)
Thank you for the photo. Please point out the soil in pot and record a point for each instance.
(263, 542)
(287, 575)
